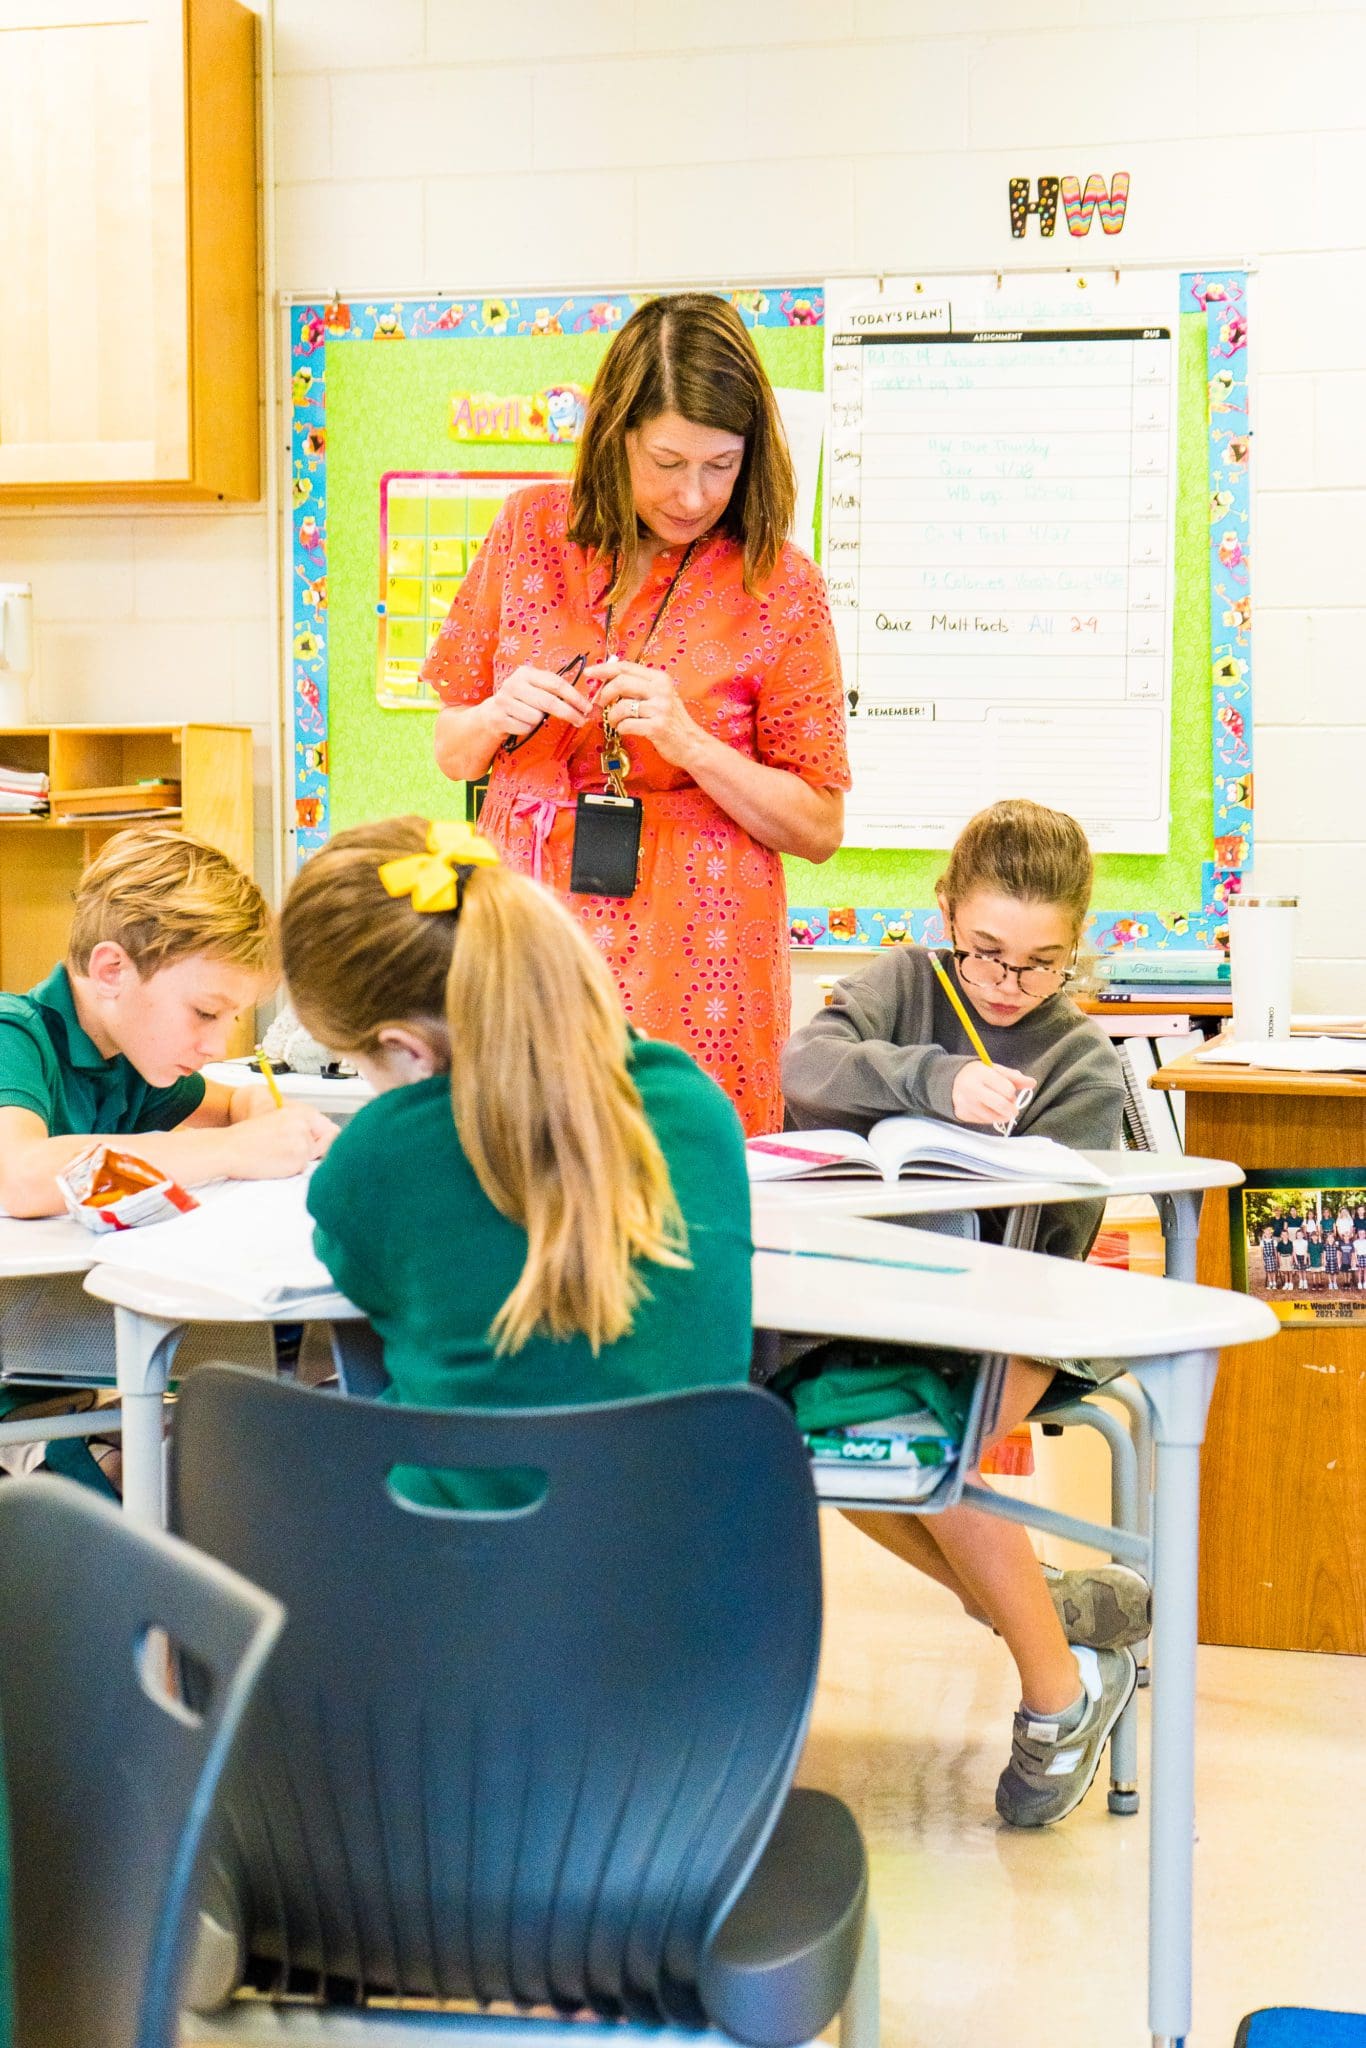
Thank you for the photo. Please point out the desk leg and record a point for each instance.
(144, 1347)
(1180, 1215)
(1180, 1390)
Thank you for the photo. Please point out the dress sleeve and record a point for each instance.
(800, 713)
(460, 665)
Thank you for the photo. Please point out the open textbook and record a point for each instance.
(249, 1241)
(903, 1146)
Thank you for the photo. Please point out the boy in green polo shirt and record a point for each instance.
(169, 943)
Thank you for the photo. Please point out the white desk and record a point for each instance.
(1176, 1183)
(151, 1316)
(895, 1284)
(334, 1095)
(34, 1250)
(817, 1273)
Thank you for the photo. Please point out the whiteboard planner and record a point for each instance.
(999, 547)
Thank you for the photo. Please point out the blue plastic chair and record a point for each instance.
(1297, 2026)
(535, 1758)
(111, 1773)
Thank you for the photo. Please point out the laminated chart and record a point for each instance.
(431, 526)
(999, 548)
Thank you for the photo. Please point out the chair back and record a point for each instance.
(110, 1775)
(527, 1755)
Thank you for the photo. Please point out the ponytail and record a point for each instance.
(549, 1117)
(541, 1091)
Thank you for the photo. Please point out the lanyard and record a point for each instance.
(614, 760)
(674, 582)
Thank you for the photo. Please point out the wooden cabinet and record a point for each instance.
(128, 250)
(41, 859)
(1283, 1476)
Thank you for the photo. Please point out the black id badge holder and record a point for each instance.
(606, 856)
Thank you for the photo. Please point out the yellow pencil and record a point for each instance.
(278, 1099)
(959, 1005)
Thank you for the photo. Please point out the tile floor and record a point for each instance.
(993, 1939)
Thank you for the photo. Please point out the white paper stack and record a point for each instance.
(23, 794)
(250, 1241)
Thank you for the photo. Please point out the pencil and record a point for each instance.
(951, 992)
(277, 1098)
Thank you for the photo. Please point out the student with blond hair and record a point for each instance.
(170, 943)
(542, 1206)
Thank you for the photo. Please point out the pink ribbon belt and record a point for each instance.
(539, 812)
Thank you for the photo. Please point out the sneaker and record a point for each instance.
(1051, 1768)
(1104, 1607)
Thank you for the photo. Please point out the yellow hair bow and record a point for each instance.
(432, 878)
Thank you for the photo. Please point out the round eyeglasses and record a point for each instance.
(979, 970)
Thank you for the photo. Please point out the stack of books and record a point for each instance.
(1194, 977)
(22, 794)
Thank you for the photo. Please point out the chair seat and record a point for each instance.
(1299, 2026)
(778, 1968)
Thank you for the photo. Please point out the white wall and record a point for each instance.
(439, 144)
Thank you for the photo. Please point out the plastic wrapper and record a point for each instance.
(106, 1189)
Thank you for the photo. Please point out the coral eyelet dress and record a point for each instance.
(700, 950)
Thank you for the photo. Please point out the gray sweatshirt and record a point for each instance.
(889, 1044)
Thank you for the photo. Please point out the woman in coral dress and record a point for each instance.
(654, 604)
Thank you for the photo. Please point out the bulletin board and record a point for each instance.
(395, 387)
(379, 392)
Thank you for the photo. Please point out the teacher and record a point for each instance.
(647, 632)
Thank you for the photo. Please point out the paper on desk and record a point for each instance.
(1292, 1056)
(251, 1241)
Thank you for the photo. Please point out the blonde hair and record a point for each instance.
(692, 354)
(546, 1110)
(163, 895)
(1024, 850)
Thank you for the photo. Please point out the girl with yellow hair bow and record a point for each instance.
(541, 1205)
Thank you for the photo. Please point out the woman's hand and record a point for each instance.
(529, 695)
(987, 1095)
(643, 703)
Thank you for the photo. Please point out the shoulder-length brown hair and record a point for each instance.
(689, 353)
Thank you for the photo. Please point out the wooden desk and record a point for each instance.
(1210, 1007)
(1283, 1516)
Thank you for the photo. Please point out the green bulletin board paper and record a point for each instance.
(388, 406)
(1173, 879)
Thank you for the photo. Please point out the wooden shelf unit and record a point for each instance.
(41, 859)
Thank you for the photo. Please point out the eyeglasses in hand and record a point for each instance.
(572, 671)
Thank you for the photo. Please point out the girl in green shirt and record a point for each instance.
(541, 1206)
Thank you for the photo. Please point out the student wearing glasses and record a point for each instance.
(1014, 898)
(648, 667)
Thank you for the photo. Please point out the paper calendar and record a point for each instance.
(431, 526)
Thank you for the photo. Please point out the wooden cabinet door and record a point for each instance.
(94, 338)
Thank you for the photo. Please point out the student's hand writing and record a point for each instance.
(986, 1095)
(281, 1143)
(529, 695)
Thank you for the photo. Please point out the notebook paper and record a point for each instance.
(250, 1241)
